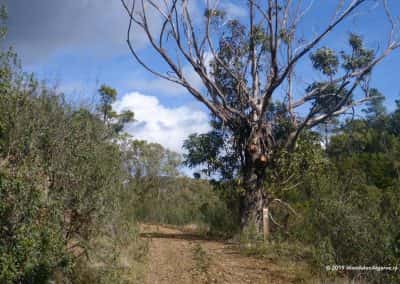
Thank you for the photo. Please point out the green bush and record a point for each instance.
(182, 201)
(61, 182)
(31, 240)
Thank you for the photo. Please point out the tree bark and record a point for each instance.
(254, 199)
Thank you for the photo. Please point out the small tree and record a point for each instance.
(108, 96)
(247, 65)
(113, 120)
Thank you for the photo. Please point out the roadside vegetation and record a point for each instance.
(335, 203)
(74, 188)
(63, 210)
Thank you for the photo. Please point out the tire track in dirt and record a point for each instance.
(177, 257)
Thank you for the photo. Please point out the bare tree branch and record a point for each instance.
(299, 54)
(285, 204)
(267, 72)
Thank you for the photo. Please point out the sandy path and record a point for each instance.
(177, 257)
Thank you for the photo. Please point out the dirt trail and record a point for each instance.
(177, 257)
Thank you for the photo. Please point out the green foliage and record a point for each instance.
(329, 98)
(108, 95)
(346, 223)
(360, 57)
(116, 254)
(336, 203)
(346, 197)
(368, 148)
(184, 201)
(61, 182)
(31, 245)
(325, 60)
(394, 121)
(161, 196)
(114, 121)
(151, 160)
(204, 149)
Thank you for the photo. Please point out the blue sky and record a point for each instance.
(80, 44)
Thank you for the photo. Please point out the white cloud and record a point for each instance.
(158, 123)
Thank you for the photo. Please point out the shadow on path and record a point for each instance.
(177, 236)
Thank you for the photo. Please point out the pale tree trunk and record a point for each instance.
(266, 222)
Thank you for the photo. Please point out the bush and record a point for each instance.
(61, 182)
(182, 201)
(31, 240)
(347, 224)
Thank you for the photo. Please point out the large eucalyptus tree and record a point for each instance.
(247, 63)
